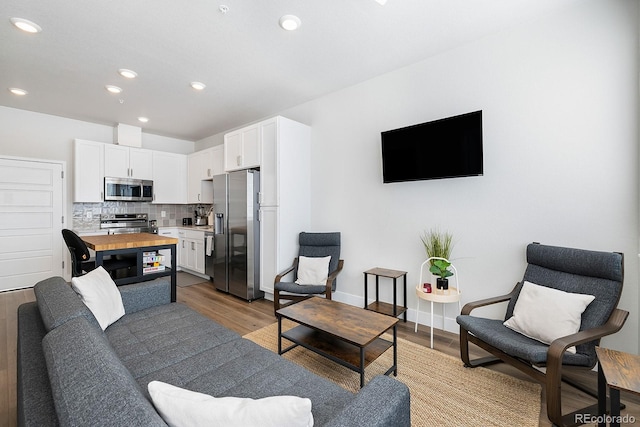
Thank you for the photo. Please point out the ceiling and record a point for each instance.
(251, 66)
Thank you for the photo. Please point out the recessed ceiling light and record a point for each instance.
(290, 22)
(198, 85)
(143, 119)
(18, 91)
(26, 25)
(129, 74)
(113, 89)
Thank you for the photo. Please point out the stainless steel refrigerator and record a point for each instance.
(236, 241)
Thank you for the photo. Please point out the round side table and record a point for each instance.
(452, 295)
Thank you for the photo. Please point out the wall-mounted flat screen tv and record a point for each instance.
(445, 148)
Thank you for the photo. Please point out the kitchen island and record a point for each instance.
(142, 245)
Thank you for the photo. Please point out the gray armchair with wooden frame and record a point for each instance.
(573, 271)
(312, 245)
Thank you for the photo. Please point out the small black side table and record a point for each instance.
(378, 306)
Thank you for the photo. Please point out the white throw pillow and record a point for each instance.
(313, 270)
(546, 314)
(101, 295)
(184, 408)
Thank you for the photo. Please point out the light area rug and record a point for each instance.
(443, 391)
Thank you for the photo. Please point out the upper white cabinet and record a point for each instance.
(205, 163)
(199, 167)
(169, 177)
(242, 148)
(285, 161)
(88, 171)
(217, 159)
(127, 162)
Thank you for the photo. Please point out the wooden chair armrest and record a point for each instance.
(334, 274)
(285, 272)
(613, 325)
(468, 307)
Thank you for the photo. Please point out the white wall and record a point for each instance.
(42, 136)
(560, 103)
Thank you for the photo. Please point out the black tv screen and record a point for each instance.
(445, 148)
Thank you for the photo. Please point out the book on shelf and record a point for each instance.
(153, 269)
(152, 259)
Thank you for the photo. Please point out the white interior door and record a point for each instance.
(31, 220)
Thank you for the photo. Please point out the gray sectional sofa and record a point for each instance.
(71, 373)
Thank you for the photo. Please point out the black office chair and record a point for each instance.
(81, 263)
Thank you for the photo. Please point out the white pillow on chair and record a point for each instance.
(546, 314)
(99, 292)
(313, 271)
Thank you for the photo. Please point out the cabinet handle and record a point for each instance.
(209, 172)
(239, 160)
(198, 196)
(183, 244)
(132, 172)
(193, 246)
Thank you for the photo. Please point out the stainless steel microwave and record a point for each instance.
(128, 190)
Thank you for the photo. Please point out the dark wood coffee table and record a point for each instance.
(343, 333)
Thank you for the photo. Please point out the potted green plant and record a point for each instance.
(439, 244)
(440, 268)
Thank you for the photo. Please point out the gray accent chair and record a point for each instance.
(311, 245)
(570, 270)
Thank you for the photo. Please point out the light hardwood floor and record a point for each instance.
(243, 318)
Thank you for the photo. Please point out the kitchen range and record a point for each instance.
(125, 223)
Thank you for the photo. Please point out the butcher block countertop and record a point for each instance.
(126, 241)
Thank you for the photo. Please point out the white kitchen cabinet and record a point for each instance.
(217, 158)
(88, 171)
(169, 177)
(242, 148)
(170, 232)
(269, 262)
(285, 202)
(285, 162)
(127, 162)
(198, 189)
(192, 255)
(203, 164)
(206, 163)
